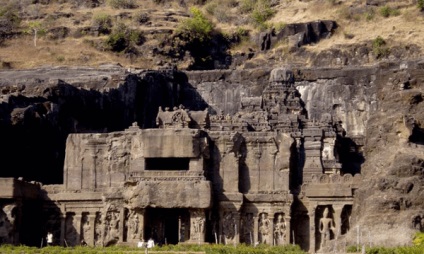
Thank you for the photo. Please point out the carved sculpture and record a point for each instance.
(326, 227)
(264, 228)
(98, 230)
(70, 233)
(280, 230)
(133, 227)
(85, 229)
(228, 225)
(198, 223)
(248, 227)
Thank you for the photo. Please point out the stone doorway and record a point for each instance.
(167, 225)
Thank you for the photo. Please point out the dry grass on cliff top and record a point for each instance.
(407, 27)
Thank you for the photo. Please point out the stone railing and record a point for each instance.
(166, 175)
(336, 179)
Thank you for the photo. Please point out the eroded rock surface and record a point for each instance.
(299, 147)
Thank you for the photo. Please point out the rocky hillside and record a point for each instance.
(208, 34)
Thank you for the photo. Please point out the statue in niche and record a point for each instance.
(280, 230)
(228, 225)
(264, 225)
(133, 228)
(248, 224)
(6, 228)
(70, 232)
(326, 227)
(98, 230)
(111, 228)
(85, 229)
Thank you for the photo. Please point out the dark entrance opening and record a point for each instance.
(167, 163)
(166, 226)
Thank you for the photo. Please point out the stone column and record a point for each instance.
(91, 221)
(271, 229)
(62, 228)
(312, 228)
(337, 219)
(141, 224)
(78, 218)
(255, 229)
(237, 228)
(121, 224)
(287, 219)
(220, 235)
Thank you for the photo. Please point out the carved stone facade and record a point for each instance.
(273, 176)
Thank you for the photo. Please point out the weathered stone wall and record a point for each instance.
(382, 103)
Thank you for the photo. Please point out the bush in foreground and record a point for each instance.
(207, 248)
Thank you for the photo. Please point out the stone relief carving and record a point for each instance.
(198, 222)
(177, 118)
(228, 225)
(133, 226)
(247, 228)
(7, 224)
(85, 229)
(280, 230)
(98, 240)
(70, 232)
(264, 228)
(111, 224)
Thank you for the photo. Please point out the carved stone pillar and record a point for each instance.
(77, 222)
(121, 224)
(237, 228)
(141, 224)
(220, 236)
(287, 219)
(255, 229)
(338, 219)
(62, 228)
(271, 230)
(91, 221)
(312, 228)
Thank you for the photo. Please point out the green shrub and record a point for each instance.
(102, 22)
(9, 20)
(379, 48)
(196, 27)
(60, 58)
(247, 6)
(352, 249)
(141, 17)
(260, 12)
(418, 239)
(420, 5)
(279, 26)
(122, 38)
(370, 15)
(122, 4)
(387, 11)
(210, 7)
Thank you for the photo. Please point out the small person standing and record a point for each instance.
(150, 243)
(49, 238)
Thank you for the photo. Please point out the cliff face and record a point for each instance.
(389, 202)
(380, 108)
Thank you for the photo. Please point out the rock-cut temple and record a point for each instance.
(266, 174)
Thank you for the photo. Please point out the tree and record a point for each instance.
(35, 28)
